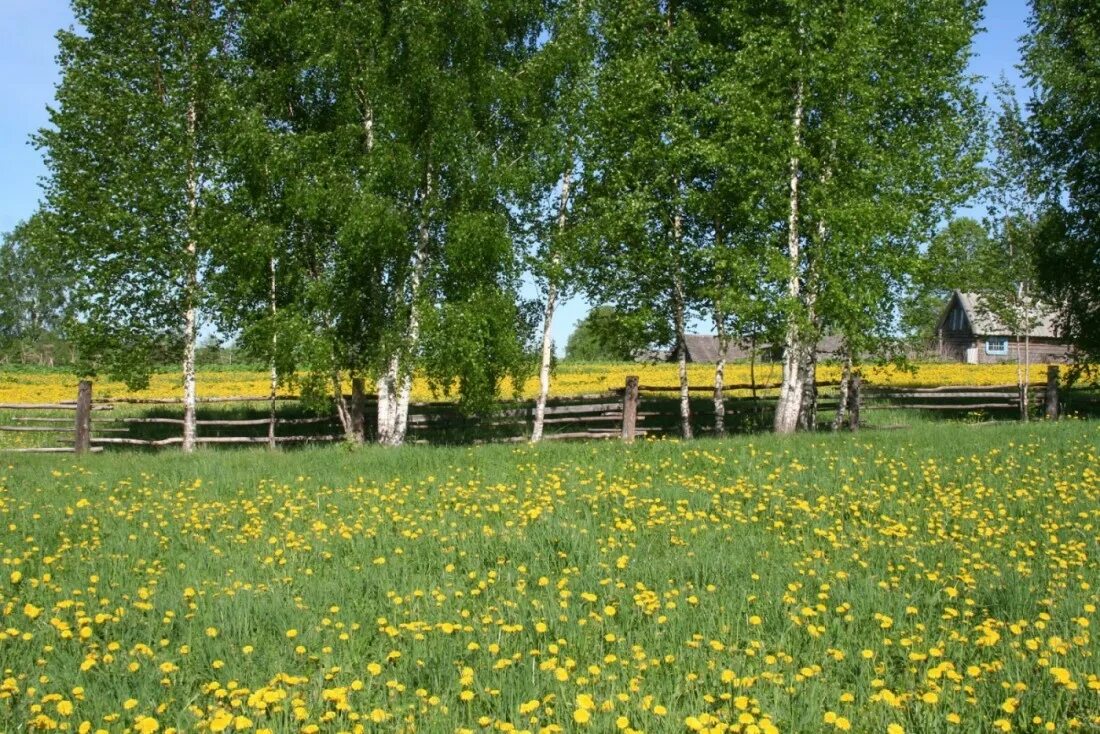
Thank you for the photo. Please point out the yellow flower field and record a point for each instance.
(944, 582)
(569, 380)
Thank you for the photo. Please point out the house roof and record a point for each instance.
(704, 348)
(985, 323)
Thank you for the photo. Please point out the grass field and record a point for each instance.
(940, 580)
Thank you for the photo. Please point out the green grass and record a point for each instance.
(977, 544)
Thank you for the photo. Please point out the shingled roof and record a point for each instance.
(704, 348)
(984, 323)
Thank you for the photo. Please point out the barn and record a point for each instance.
(968, 332)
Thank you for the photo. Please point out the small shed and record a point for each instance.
(969, 332)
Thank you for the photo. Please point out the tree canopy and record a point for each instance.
(356, 192)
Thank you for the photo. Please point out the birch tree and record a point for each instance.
(448, 110)
(558, 78)
(1013, 223)
(884, 141)
(642, 170)
(129, 164)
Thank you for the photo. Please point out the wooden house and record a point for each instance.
(703, 349)
(969, 332)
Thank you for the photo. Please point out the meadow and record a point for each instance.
(940, 580)
(47, 386)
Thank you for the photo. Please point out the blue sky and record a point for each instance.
(28, 73)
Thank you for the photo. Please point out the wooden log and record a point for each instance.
(630, 408)
(953, 396)
(50, 450)
(710, 388)
(54, 429)
(582, 408)
(49, 406)
(179, 401)
(66, 421)
(608, 418)
(304, 421)
(83, 417)
(939, 406)
(521, 413)
(108, 440)
(264, 439)
(171, 421)
(1051, 408)
(235, 422)
(210, 439)
(232, 422)
(946, 388)
(36, 429)
(587, 434)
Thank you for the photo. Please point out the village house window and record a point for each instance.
(996, 345)
(957, 319)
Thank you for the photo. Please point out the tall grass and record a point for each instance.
(933, 580)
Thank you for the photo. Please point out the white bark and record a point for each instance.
(807, 416)
(1024, 375)
(681, 355)
(387, 401)
(719, 396)
(190, 335)
(548, 313)
(720, 377)
(842, 393)
(274, 368)
(790, 391)
(398, 378)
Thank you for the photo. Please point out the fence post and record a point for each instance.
(83, 417)
(630, 408)
(853, 402)
(1052, 392)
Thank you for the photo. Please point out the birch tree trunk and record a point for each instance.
(398, 379)
(681, 357)
(1023, 375)
(387, 401)
(807, 416)
(548, 314)
(720, 380)
(190, 316)
(343, 413)
(274, 367)
(842, 392)
(752, 364)
(358, 409)
(790, 390)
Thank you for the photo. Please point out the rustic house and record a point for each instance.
(968, 332)
(704, 349)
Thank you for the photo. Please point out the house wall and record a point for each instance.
(953, 347)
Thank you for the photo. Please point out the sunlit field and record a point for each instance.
(569, 379)
(942, 580)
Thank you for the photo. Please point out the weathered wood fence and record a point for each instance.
(627, 413)
(1043, 398)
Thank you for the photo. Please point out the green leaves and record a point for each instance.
(1062, 64)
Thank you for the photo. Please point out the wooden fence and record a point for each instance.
(632, 411)
(968, 398)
